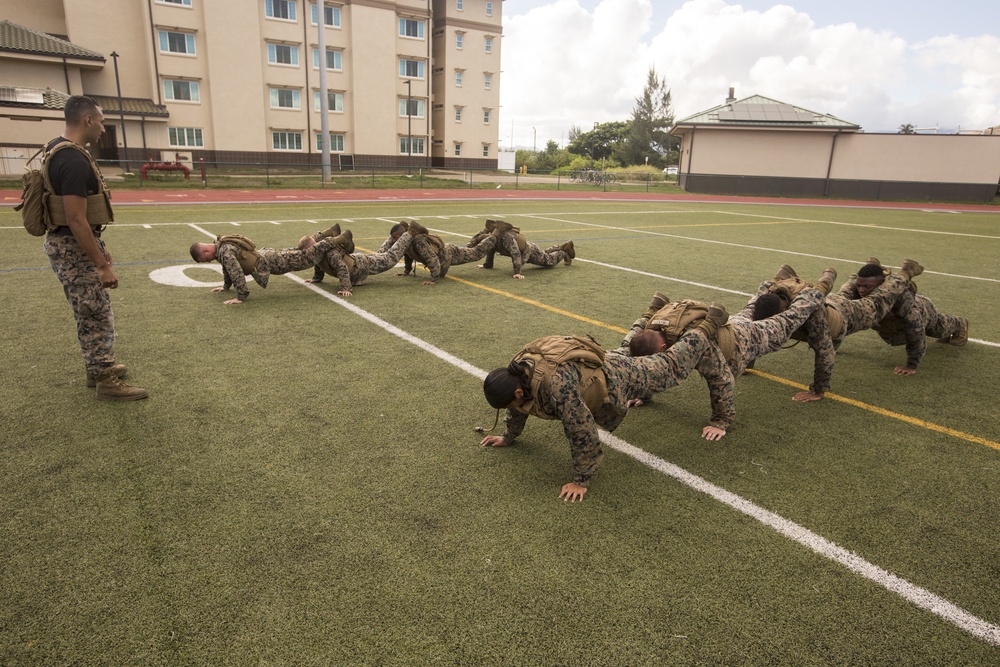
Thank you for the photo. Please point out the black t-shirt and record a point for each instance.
(71, 173)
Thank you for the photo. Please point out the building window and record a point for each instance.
(458, 150)
(458, 77)
(489, 45)
(181, 91)
(176, 42)
(486, 150)
(334, 100)
(334, 59)
(336, 142)
(487, 81)
(458, 114)
(331, 16)
(280, 9)
(458, 5)
(413, 69)
(486, 116)
(411, 28)
(185, 3)
(185, 137)
(282, 54)
(416, 108)
(489, 9)
(285, 98)
(459, 40)
(286, 141)
(417, 145)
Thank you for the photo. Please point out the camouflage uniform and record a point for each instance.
(627, 378)
(438, 261)
(851, 314)
(751, 339)
(274, 261)
(912, 318)
(364, 265)
(508, 247)
(72, 174)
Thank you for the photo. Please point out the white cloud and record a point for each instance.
(564, 66)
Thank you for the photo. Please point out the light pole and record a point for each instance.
(121, 110)
(534, 140)
(409, 128)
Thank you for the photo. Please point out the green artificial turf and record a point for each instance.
(304, 487)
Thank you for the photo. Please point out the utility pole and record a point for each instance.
(121, 109)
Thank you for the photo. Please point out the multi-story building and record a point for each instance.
(409, 82)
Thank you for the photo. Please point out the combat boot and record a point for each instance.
(490, 225)
(344, 241)
(111, 388)
(825, 282)
(118, 370)
(477, 239)
(306, 242)
(570, 252)
(415, 228)
(659, 301)
(716, 317)
(785, 272)
(911, 269)
(960, 337)
(873, 260)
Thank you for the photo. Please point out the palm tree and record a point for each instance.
(907, 128)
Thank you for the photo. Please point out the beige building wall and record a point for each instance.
(752, 152)
(231, 67)
(477, 21)
(938, 158)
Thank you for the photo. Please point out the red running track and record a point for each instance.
(139, 197)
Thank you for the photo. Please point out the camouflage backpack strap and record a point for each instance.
(436, 242)
(544, 355)
(99, 211)
(677, 317)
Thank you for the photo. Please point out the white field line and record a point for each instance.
(749, 247)
(920, 597)
(679, 280)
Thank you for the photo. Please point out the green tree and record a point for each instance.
(600, 143)
(907, 128)
(648, 139)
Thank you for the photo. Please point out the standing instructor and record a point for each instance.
(80, 207)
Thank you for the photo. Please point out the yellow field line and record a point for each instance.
(885, 413)
(930, 426)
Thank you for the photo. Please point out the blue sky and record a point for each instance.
(876, 63)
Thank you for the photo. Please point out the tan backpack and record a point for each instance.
(677, 317)
(544, 355)
(42, 209)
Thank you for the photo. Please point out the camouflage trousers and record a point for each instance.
(463, 255)
(757, 338)
(864, 313)
(936, 323)
(91, 304)
(379, 262)
(535, 255)
(277, 261)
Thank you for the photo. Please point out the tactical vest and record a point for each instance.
(98, 206)
(892, 329)
(545, 355)
(522, 243)
(833, 318)
(678, 317)
(246, 251)
(327, 267)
